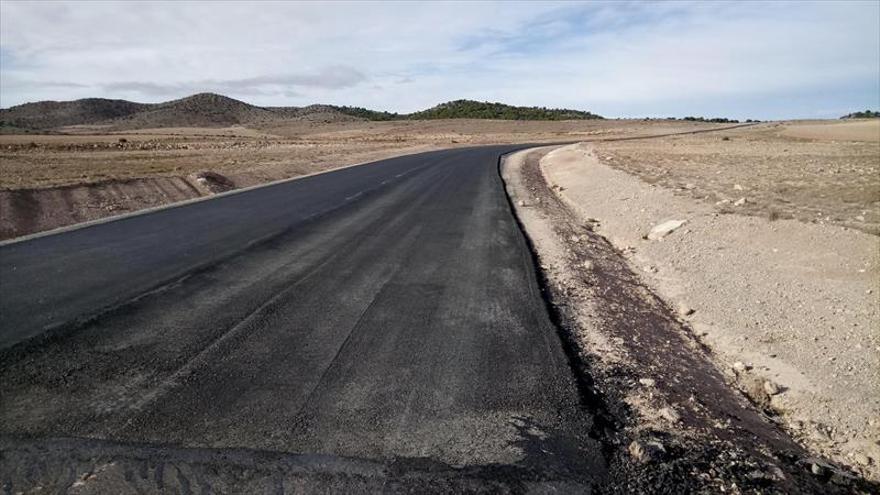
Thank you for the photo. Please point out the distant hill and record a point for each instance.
(213, 110)
(51, 114)
(867, 114)
(200, 110)
(314, 113)
(470, 109)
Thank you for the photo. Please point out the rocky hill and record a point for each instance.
(200, 110)
(213, 110)
(52, 114)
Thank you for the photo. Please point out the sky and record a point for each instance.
(740, 60)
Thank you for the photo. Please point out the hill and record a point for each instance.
(213, 110)
(200, 110)
(314, 113)
(470, 109)
(51, 114)
(867, 114)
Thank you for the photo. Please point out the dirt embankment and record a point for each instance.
(26, 211)
(789, 309)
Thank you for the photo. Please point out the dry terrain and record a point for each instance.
(52, 180)
(789, 309)
(818, 172)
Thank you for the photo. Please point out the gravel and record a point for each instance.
(792, 299)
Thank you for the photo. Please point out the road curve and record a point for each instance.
(376, 326)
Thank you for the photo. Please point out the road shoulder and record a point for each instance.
(645, 361)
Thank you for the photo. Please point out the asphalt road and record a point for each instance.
(375, 327)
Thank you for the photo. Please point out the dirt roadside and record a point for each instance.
(649, 367)
(790, 309)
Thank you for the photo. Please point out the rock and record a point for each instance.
(817, 469)
(662, 230)
(521, 203)
(737, 187)
(574, 239)
(819, 433)
(650, 450)
(862, 459)
(588, 264)
(685, 310)
(689, 186)
(739, 367)
(648, 382)
(670, 414)
(740, 202)
(772, 473)
(771, 388)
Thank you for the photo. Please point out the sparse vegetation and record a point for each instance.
(469, 109)
(867, 114)
(213, 110)
(716, 120)
(367, 114)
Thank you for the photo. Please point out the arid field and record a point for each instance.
(52, 180)
(812, 171)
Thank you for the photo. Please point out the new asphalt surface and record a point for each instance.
(376, 327)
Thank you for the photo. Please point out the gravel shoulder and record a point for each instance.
(672, 419)
(789, 309)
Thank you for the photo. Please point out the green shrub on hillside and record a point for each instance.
(469, 109)
(867, 114)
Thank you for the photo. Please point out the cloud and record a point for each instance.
(738, 59)
(336, 77)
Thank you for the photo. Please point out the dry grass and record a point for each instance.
(801, 171)
(278, 150)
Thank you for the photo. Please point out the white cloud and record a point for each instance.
(615, 58)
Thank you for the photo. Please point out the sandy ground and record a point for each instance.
(48, 181)
(867, 130)
(789, 309)
(818, 172)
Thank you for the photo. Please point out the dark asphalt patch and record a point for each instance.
(403, 328)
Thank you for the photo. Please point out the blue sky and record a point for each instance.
(619, 59)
